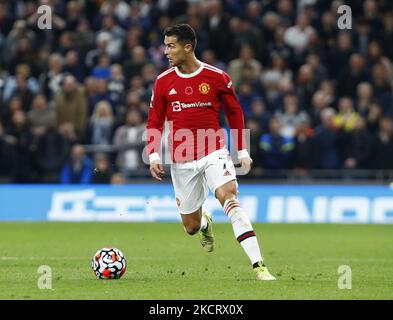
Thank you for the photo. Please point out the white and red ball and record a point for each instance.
(109, 263)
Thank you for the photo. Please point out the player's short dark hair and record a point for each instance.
(183, 32)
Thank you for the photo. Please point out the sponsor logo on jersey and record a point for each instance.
(188, 90)
(227, 173)
(178, 106)
(229, 84)
(178, 201)
(173, 91)
(204, 88)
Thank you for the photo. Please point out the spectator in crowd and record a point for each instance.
(51, 80)
(347, 117)
(103, 69)
(6, 143)
(137, 60)
(255, 135)
(328, 139)
(102, 122)
(339, 54)
(277, 151)
(50, 154)
(297, 36)
(40, 116)
(98, 92)
(116, 84)
(129, 143)
(19, 33)
(364, 97)
(73, 66)
(306, 149)
(352, 75)
(93, 55)
(271, 49)
(260, 113)
(374, 115)
(380, 79)
(217, 27)
(116, 36)
(358, 149)
(22, 84)
(246, 58)
(382, 150)
(208, 56)
(290, 117)
(318, 103)
(20, 140)
(71, 106)
(307, 84)
(246, 95)
(278, 70)
(78, 169)
(117, 179)
(102, 170)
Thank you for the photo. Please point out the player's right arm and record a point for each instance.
(155, 123)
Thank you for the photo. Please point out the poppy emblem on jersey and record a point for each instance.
(188, 90)
(178, 201)
(204, 88)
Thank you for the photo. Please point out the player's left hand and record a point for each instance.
(246, 164)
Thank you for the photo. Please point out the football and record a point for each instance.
(109, 263)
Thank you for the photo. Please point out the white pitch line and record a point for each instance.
(40, 258)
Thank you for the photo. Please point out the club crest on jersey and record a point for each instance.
(188, 90)
(204, 88)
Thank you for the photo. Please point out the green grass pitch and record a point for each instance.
(165, 263)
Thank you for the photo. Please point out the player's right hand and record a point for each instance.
(157, 170)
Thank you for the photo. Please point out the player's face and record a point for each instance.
(174, 51)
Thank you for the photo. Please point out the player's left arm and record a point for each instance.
(235, 116)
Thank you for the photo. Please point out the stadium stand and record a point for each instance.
(318, 100)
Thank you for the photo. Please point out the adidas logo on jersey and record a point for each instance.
(227, 173)
(173, 91)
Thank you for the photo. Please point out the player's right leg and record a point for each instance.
(201, 223)
(191, 192)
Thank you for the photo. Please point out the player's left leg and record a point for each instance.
(242, 228)
(221, 177)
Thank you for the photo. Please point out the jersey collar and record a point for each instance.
(190, 75)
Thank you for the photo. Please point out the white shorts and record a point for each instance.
(192, 180)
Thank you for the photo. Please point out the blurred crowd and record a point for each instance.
(315, 97)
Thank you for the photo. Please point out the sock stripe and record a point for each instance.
(246, 235)
(230, 205)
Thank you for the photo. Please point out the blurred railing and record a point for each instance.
(341, 176)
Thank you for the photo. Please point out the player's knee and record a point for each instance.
(227, 191)
(192, 228)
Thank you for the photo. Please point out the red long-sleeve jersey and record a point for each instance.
(191, 104)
